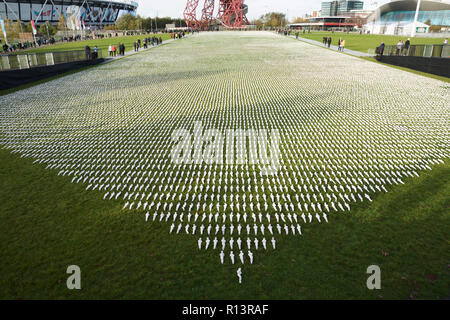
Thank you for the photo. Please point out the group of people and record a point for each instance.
(114, 51)
(7, 47)
(327, 41)
(91, 55)
(153, 41)
(177, 35)
(341, 45)
(403, 48)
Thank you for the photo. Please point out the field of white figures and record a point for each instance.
(348, 129)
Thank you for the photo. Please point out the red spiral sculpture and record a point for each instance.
(231, 14)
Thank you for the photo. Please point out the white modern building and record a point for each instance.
(398, 17)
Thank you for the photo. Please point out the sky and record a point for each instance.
(293, 8)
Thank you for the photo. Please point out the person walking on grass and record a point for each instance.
(114, 49)
(329, 42)
(110, 50)
(339, 44)
(342, 45)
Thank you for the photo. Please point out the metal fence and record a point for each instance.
(424, 50)
(41, 59)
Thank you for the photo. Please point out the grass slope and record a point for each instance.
(48, 223)
(365, 42)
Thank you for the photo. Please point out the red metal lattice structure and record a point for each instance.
(190, 14)
(207, 14)
(231, 14)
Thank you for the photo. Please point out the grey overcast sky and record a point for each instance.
(293, 8)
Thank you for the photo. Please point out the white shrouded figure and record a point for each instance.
(232, 257)
(250, 255)
(241, 256)
(239, 274)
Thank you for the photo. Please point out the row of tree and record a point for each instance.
(131, 22)
(275, 20)
(14, 29)
(125, 22)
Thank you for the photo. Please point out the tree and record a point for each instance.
(299, 20)
(110, 27)
(62, 23)
(47, 29)
(13, 29)
(126, 22)
(435, 28)
(273, 19)
(257, 22)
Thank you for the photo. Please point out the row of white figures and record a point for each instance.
(250, 230)
(337, 147)
(233, 257)
(205, 244)
(289, 218)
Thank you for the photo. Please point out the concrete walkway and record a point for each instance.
(334, 48)
(132, 52)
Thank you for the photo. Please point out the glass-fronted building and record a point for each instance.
(436, 18)
(397, 17)
(346, 6)
(330, 8)
(340, 7)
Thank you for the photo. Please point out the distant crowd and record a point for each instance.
(119, 50)
(40, 41)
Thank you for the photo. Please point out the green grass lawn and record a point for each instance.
(429, 75)
(365, 42)
(102, 44)
(48, 223)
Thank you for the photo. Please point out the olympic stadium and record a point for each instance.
(92, 12)
(397, 17)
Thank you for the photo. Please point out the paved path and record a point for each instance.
(335, 48)
(132, 52)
